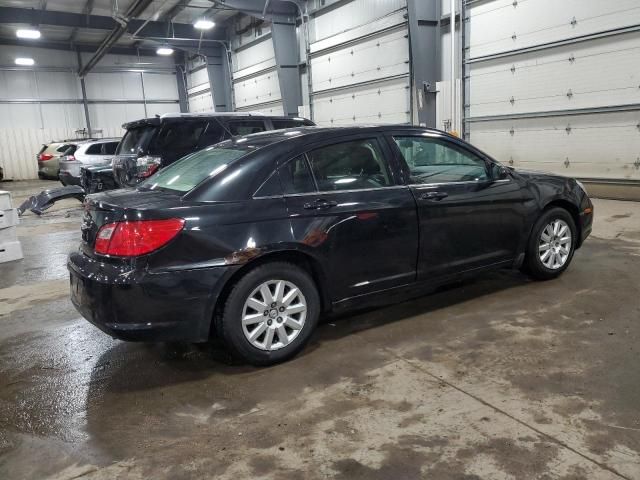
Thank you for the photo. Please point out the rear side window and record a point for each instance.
(212, 134)
(357, 164)
(95, 149)
(246, 127)
(179, 137)
(136, 140)
(109, 148)
(296, 177)
(64, 147)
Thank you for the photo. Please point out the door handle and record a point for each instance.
(320, 204)
(437, 196)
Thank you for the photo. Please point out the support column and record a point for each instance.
(424, 47)
(220, 80)
(285, 46)
(180, 82)
(84, 96)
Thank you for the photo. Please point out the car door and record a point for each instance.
(345, 200)
(470, 209)
(108, 151)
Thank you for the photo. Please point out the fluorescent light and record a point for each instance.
(164, 51)
(27, 62)
(204, 24)
(28, 33)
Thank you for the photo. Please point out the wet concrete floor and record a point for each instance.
(498, 378)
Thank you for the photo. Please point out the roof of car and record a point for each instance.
(305, 134)
(175, 116)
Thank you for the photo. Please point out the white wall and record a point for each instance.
(52, 106)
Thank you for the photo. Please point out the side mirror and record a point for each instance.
(500, 172)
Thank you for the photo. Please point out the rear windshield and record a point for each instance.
(136, 140)
(189, 171)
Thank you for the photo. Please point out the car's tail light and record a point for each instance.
(45, 156)
(130, 239)
(147, 165)
(69, 158)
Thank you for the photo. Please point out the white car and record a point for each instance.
(88, 153)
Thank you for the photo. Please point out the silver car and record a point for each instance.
(89, 153)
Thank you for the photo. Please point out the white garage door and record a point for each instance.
(360, 74)
(555, 86)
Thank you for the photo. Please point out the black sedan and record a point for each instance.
(255, 238)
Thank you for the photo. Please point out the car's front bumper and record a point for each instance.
(586, 219)
(135, 305)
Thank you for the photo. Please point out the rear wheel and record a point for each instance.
(552, 244)
(270, 313)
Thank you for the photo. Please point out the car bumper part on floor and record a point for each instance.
(45, 199)
(137, 305)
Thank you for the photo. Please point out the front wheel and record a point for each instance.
(552, 244)
(270, 313)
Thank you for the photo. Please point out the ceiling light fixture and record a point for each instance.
(26, 62)
(28, 33)
(164, 51)
(204, 24)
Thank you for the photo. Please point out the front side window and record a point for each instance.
(433, 161)
(354, 165)
(188, 172)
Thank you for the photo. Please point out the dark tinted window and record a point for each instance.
(212, 135)
(136, 140)
(179, 137)
(109, 148)
(435, 161)
(295, 176)
(65, 147)
(245, 127)
(270, 188)
(286, 123)
(358, 164)
(95, 149)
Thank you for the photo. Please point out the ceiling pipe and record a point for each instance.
(132, 12)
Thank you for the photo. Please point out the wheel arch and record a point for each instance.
(299, 258)
(573, 211)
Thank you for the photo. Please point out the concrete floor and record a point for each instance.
(499, 378)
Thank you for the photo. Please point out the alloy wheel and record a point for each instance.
(274, 314)
(554, 246)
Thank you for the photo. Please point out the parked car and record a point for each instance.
(89, 153)
(256, 237)
(153, 143)
(49, 156)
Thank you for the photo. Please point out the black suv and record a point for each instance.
(153, 143)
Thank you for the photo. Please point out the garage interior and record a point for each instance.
(497, 377)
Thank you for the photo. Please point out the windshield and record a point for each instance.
(136, 140)
(189, 171)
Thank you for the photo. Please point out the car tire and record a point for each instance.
(255, 323)
(550, 250)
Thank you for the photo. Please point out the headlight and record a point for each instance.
(581, 185)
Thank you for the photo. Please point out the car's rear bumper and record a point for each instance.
(67, 178)
(136, 305)
(48, 169)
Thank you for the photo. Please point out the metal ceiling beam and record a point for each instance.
(278, 10)
(87, 9)
(136, 9)
(67, 46)
(101, 22)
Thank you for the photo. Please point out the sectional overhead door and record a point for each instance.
(360, 63)
(555, 86)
